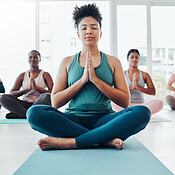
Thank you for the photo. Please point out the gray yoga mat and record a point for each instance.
(134, 159)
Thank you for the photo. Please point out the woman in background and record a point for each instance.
(36, 88)
(136, 80)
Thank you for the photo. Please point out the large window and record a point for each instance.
(17, 33)
(163, 46)
(48, 27)
(54, 36)
(132, 33)
(132, 24)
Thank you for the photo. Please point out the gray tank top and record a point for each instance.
(136, 95)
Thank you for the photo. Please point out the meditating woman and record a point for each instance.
(36, 88)
(136, 80)
(170, 99)
(88, 80)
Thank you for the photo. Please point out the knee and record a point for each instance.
(33, 115)
(156, 105)
(160, 104)
(45, 95)
(169, 98)
(4, 98)
(144, 114)
(44, 99)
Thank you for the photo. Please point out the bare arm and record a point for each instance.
(49, 83)
(119, 94)
(16, 87)
(169, 85)
(61, 94)
(150, 90)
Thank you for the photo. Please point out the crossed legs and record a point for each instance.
(66, 131)
(17, 106)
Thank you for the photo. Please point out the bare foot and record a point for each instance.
(115, 143)
(49, 143)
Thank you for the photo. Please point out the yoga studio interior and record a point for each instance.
(48, 27)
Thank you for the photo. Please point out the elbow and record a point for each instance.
(55, 103)
(154, 92)
(126, 105)
(126, 102)
(52, 99)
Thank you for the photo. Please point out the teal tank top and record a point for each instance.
(89, 100)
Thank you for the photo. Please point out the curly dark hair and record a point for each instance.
(85, 11)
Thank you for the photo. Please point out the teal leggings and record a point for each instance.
(87, 131)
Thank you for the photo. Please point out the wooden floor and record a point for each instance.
(18, 141)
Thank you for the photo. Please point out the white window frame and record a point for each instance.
(113, 25)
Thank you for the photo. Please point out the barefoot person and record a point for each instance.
(34, 86)
(136, 80)
(89, 81)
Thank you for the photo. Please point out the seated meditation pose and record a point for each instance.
(170, 99)
(89, 81)
(136, 80)
(34, 86)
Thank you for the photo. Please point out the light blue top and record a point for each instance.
(89, 100)
(136, 95)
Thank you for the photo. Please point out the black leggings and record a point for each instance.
(17, 106)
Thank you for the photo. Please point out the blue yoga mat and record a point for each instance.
(13, 121)
(134, 159)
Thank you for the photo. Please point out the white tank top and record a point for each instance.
(32, 95)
